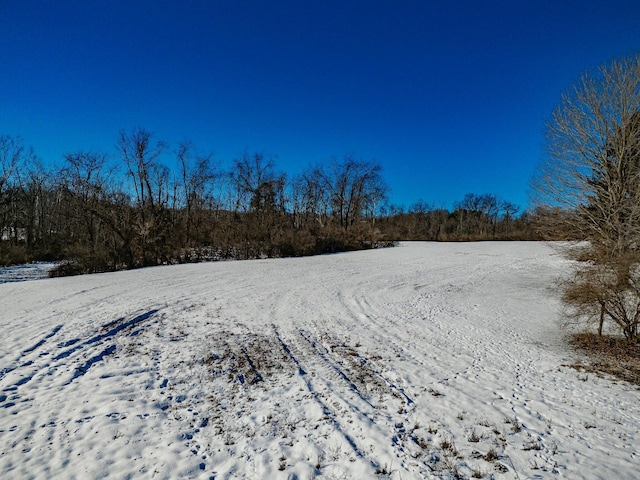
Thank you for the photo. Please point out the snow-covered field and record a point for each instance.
(427, 360)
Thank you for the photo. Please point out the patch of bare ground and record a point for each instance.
(607, 355)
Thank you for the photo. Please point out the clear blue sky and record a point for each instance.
(449, 97)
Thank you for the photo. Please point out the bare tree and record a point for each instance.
(35, 185)
(250, 177)
(509, 211)
(356, 188)
(83, 184)
(13, 157)
(310, 199)
(477, 215)
(592, 166)
(260, 202)
(592, 171)
(152, 192)
(197, 178)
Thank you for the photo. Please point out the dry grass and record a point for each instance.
(608, 355)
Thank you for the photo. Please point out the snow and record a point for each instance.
(421, 361)
(27, 271)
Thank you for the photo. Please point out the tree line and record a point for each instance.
(474, 218)
(149, 204)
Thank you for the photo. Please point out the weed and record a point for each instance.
(423, 443)
(449, 447)
(549, 424)
(491, 455)
(335, 453)
(484, 423)
(456, 473)
(515, 424)
(474, 438)
(434, 392)
(532, 445)
(501, 468)
(283, 463)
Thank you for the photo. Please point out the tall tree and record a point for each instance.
(84, 181)
(35, 186)
(150, 183)
(260, 202)
(13, 157)
(592, 170)
(197, 178)
(356, 189)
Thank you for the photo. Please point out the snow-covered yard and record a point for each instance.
(421, 361)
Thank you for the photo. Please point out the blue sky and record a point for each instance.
(450, 97)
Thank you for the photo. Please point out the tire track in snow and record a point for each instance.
(302, 373)
(366, 364)
(389, 423)
(338, 427)
(339, 370)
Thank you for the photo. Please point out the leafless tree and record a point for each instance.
(477, 215)
(310, 199)
(592, 165)
(508, 210)
(197, 179)
(150, 180)
(13, 157)
(254, 179)
(12, 153)
(83, 185)
(260, 202)
(356, 188)
(592, 172)
(35, 184)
